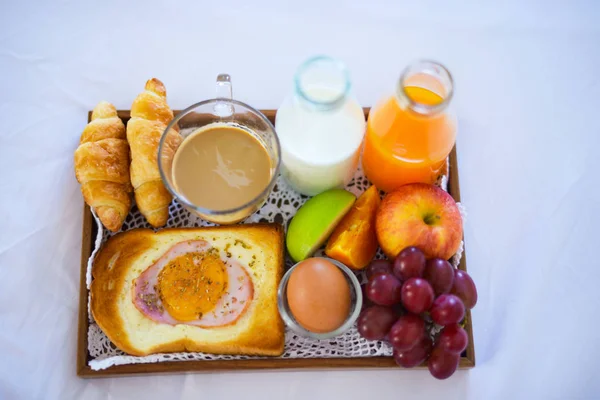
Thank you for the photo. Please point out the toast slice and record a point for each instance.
(258, 331)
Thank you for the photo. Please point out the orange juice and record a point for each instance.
(410, 135)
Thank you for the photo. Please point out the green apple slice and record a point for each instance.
(315, 221)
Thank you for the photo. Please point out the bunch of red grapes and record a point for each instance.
(410, 291)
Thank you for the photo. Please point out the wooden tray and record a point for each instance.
(84, 370)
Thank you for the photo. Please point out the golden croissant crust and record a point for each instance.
(150, 115)
(102, 166)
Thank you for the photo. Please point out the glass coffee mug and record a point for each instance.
(219, 170)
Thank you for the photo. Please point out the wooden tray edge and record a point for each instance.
(82, 331)
(246, 365)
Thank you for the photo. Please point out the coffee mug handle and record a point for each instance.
(223, 108)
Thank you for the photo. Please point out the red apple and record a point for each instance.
(419, 215)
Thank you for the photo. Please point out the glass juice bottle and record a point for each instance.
(321, 127)
(410, 134)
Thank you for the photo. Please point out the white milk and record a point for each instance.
(320, 147)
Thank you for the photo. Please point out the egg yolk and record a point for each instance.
(191, 285)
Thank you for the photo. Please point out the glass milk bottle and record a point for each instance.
(320, 126)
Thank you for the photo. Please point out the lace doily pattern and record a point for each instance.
(280, 207)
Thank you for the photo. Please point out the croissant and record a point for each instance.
(150, 115)
(102, 166)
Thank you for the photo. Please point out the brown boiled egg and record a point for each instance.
(318, 295)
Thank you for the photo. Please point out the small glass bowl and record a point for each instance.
(355, 303)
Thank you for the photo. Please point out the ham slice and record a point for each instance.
(229, 308)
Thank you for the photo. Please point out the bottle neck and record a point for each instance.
(322, 84)
(425, 88)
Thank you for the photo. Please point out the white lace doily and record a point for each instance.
(280, 207)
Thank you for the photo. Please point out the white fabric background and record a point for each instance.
(527, 96)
